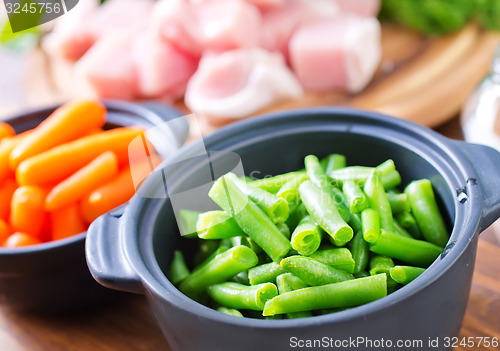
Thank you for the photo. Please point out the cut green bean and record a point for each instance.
(382, 264)
(273, 184)
(265, 273)
(217, 225)
(378, 201)
(313, 272)
(246, 241)
(355, 222)
(360, 252)
(287, 282)
(405, 274)
(390, 177)
(221, 268)
(187, 223)
(290, 191)
(400, 230)
(241, 278)
(218, 251)
(319, 179)
(415, 252)
(340, 258)
(250, 218)
(205, 250)
(238, 296)
(391, 180)
(322, 209)
(407, 221)
(334, 162)
(229, 311)
(399, 203)
(284, 229)
(426, 212)
(356, 199)
(306, 238)
(274, 206)
(370, 220)
(178, 268)
(345, 294)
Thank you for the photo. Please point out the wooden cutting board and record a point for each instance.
(421, 79)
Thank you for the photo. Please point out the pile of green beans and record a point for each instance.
(305, 243)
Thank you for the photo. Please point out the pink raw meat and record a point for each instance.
(75, 32)
(368, 8)
(237, 83)
(162, 69)
(216, 25)
(279, 23)
(339, 54)
(108, 68)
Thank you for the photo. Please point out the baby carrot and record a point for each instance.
(117, 191)
(7, 189)
(65, 124)
(6, 130)
(57, 164)
(27, 214)
(21, 239)
(4, 231)
(6, 147)
(66, 221)
(93, 175)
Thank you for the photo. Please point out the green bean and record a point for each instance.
(205, 250)
(306, 238)
(405, 274)
(386, 167)
(238, 296)
(370, 220)
(221, 268)
(345, 294)
(400, 230)
(218, 251)
(382, 264)
(274, 206)
(378, 201)
(273, 184)
(426, 212)
(334, 162)
(322, 209)
(287, 282)
(360, 252)
(415, 252)
(246, 241)
(407, 221)
(217, 225)
(340, 258)
(295, 217)
(313, 272)
(290, 191)
(241, 278)
(391, 180)
(187, 223)
(284, 229)
(399, 203)
(265, 273)
(250, 218)
(358, 174)
(178, 268)
(356, 199)
(355, 222)
(229, 311)
(319, 179)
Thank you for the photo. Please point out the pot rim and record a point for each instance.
(156, 283)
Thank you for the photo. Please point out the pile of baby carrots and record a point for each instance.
(59, 177)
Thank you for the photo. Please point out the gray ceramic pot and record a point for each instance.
(53, 277)
(131, 249)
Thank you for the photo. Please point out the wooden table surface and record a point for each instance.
(128, 324)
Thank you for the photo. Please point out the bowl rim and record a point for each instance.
(168, 293)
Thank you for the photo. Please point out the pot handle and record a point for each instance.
(486, 163)
(105, 256)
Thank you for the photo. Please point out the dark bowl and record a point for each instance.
(466, 180)
(53, 277)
